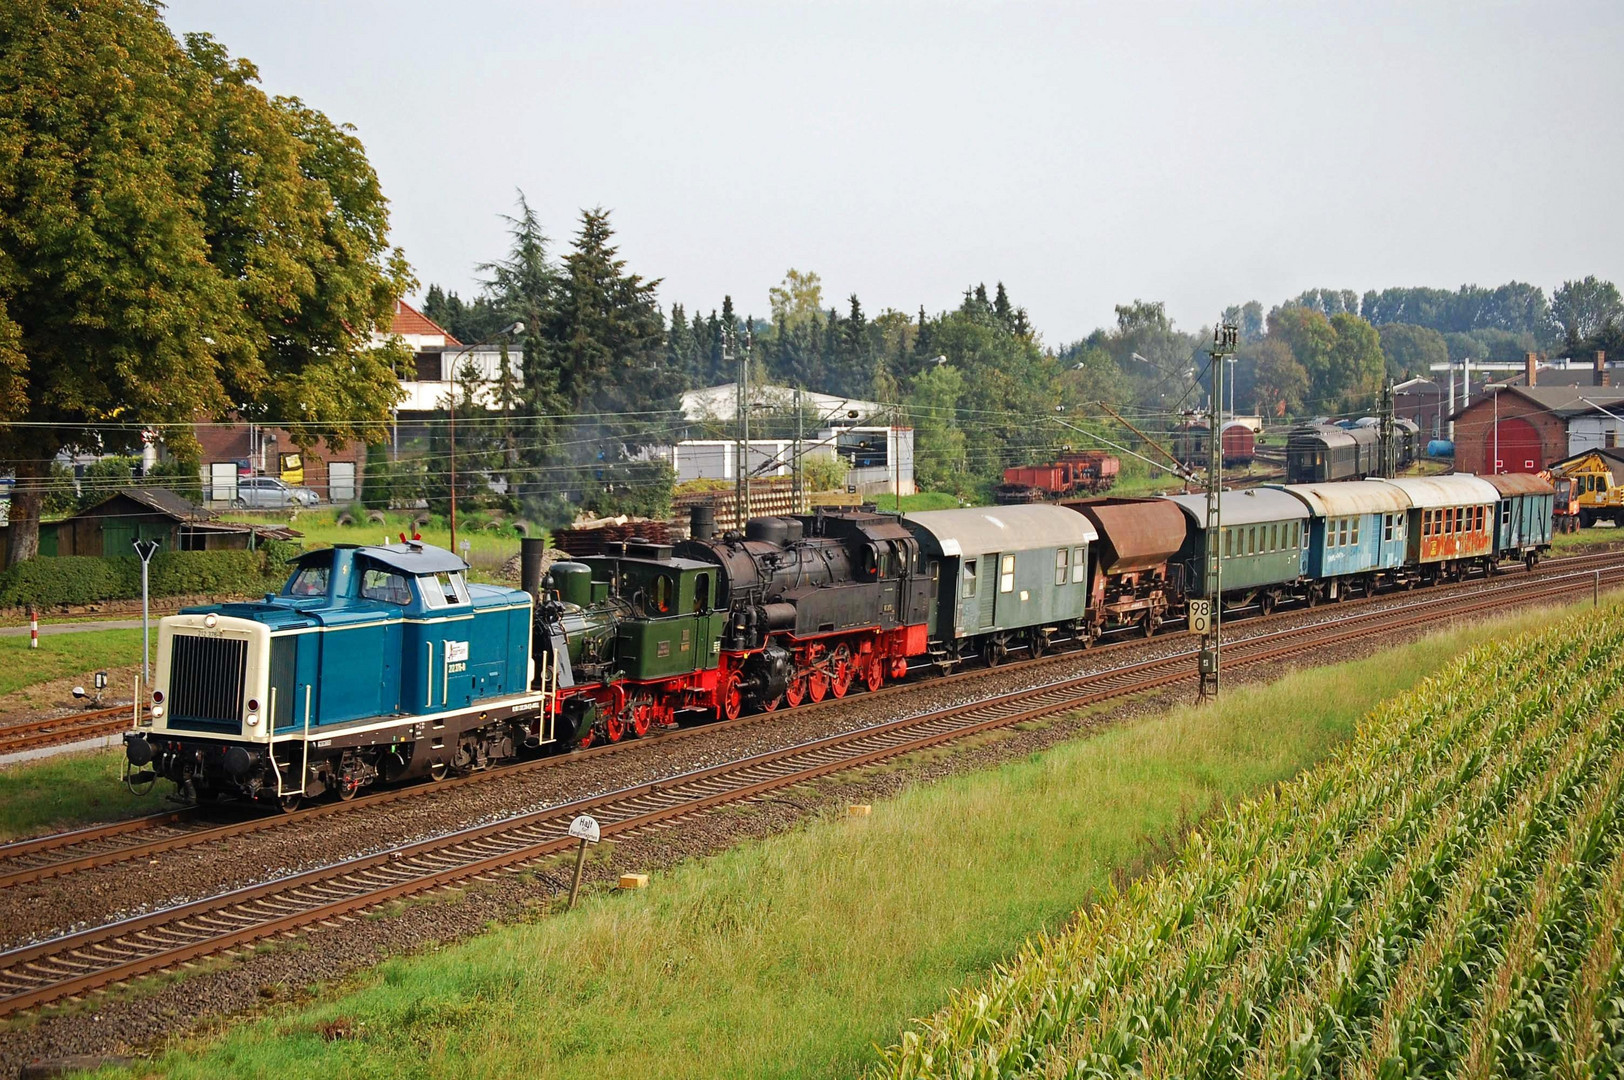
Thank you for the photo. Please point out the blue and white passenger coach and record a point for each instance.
(371, 663)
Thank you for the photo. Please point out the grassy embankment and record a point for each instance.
(61, 656)
(796, 955)
(73, 789)
(489, 544)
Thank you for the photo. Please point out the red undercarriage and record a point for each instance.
(825, 666)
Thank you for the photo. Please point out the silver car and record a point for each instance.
(269, 492)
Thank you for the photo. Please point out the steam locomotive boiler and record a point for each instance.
(817, 602)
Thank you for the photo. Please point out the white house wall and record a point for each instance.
(1592, 433)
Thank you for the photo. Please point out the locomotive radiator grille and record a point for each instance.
(206, 678)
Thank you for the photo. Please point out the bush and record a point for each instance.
(105, 477)
(180, 477)
(86, 579)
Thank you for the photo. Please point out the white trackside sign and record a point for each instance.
(585, 828)
(1200, 615)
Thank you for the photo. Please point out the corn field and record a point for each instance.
(1442, 898)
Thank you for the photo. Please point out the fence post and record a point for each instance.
(33, 627)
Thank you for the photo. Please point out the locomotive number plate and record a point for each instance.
(664, 649)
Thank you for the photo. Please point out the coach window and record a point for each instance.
(1355, 532)
(1006, 574)
(1274, 537)
(1062, 563)
(1079, 565)
(969, 579)
(1505, 513)
(1387, 526)
(1229, 543)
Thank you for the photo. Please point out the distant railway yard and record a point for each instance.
(160, 920)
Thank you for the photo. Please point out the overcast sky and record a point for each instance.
(1201, 154)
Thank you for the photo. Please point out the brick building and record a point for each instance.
(233, 450)
(1525, 426)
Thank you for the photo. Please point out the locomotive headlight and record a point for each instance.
(210, 620)
(253, 719)
(157, 712)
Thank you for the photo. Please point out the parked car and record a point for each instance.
(262, 492)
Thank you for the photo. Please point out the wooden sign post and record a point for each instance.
(585, 829)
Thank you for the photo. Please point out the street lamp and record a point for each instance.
(514, 328)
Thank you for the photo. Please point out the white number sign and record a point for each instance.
(1200, 616)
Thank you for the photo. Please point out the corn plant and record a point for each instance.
(1366, 898)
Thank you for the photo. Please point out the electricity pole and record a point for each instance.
(1224, 339)
(1389, 432)
(800, 448)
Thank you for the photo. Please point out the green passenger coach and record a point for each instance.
(1009, 577)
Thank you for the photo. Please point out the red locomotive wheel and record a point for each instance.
(772, 705)
(817, 685)
(642, 716)
(841, 670)
(795, 692)
(731, 704)
(613, 728)
(875, 676)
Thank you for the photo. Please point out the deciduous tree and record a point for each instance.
(174, 244)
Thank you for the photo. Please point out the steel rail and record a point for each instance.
(77, 963)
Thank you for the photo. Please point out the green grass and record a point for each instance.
(1591, 539)
(488, 548)
(62, 655)
(924, 500)
(65, 792)
(796, 955)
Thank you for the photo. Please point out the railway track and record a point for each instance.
(59, 854)
(78, 963)
(76, 727)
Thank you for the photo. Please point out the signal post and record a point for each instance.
(1205, 615)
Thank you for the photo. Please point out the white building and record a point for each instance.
(435, 353)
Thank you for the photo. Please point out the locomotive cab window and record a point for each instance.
(442, 589)
(662, 593)
(1006, 574)
(309, 581)
(385, 585)
(701, 593)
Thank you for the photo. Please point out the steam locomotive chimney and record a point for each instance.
(702, 522)
(1600, 377)
(531, 549)
(1532, 366)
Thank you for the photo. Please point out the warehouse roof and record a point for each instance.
(982, 529)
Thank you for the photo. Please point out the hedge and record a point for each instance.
(86, 579)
